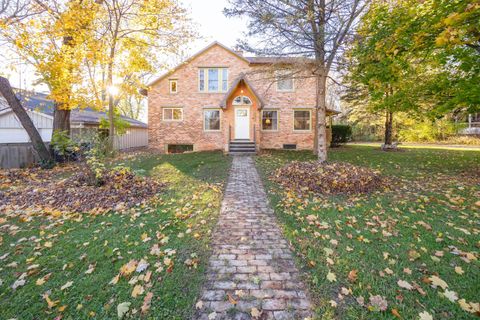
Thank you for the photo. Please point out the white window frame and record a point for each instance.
(278, 80)
(170, 81)
(172, 108)
(278, 120)
(241, 102)
(219, 115)
(205, 79)
(310, 124)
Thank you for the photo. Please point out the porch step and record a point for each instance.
(242, 147)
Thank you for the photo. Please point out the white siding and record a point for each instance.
(12, 131)
(134, 138)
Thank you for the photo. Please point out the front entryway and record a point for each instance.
(242, 123)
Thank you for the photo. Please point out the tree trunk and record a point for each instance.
(388, 128)
(321, 120)
(61, 119)
(22, 115)
(111, 129)
(61, 116)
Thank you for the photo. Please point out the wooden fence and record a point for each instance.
(20, 155)
(134, 138)
(17, 155)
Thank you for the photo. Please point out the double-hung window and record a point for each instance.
(211, 120)
(302, 120)
(269, 120)
(213, 80)
(172, 114)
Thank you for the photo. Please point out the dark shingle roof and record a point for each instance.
(40, 103)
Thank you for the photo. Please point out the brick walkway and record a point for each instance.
(251, 265)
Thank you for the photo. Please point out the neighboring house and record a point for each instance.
(220, 100)
(473, 125)
(14, 140)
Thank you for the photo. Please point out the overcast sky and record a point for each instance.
(210, 22)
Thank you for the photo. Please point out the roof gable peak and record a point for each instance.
(196, 55)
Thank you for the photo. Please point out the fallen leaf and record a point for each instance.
(231, 299)
(425, 316)
(122, 309)
(459, 270)
(255, 313)
(137, 290)
(437, 282)
(66, 285)
(91, 268)
(450, 295)
(404, 284)
(331, 276)
(18, 283)
(147, 302)
(50, 303)
(115, 279)
(396, 314)
(352, 275)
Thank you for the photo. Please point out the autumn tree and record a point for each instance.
(449, 35)
(380, 72)
(52, 36)
(416, 57)
(131, 36)
(315, 29)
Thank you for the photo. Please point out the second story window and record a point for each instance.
(213, 80)
(173, 86)
(284, 82)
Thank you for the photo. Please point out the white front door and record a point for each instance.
(242, 123)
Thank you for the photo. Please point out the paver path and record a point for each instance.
(251, 262)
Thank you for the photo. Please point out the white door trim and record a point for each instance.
(242, 124)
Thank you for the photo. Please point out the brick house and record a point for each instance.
(220, 100)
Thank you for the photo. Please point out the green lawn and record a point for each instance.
(61, 251)
(426, 224)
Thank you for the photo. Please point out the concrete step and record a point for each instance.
(242, 153)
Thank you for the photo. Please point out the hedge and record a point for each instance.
(340, 134)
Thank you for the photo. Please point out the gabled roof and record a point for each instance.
(233, 87)
(199, 53)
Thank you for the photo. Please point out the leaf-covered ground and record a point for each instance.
(147, 262)
(410, 252)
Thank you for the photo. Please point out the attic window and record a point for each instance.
(284, 81)
(173, 86)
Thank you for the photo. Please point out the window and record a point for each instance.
(290, 146)
(301, 120)
(213, 80)
(240, 100)
(179, 148)
(173, 86)
(269, 120)
(211, 120)
(172, 114)
(284, 82)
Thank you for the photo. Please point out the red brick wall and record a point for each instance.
(193, 102)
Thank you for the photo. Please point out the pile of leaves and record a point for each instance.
(328, 178)
(121, 189)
